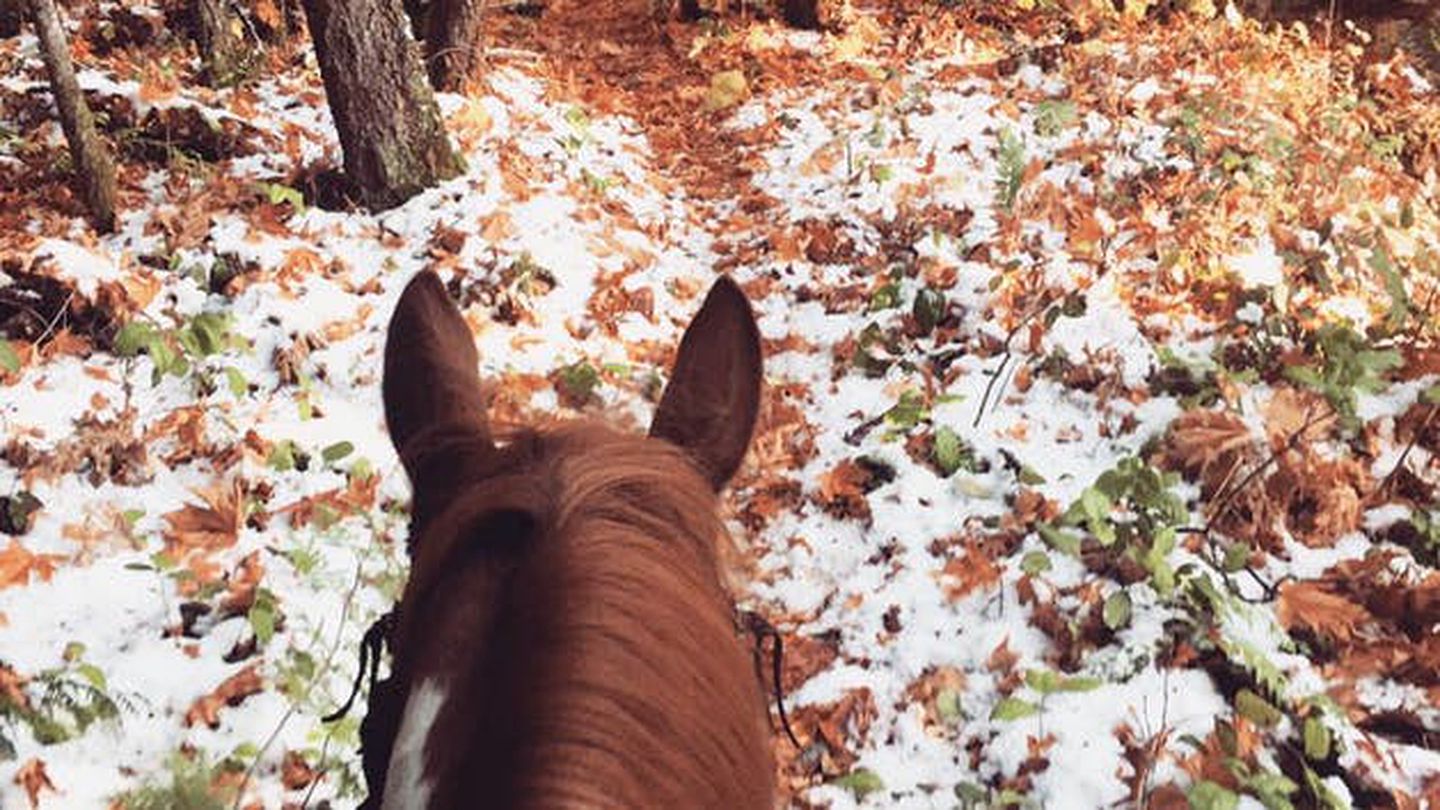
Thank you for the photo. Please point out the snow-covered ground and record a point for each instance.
(982, 289)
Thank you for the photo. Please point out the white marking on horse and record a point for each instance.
(405, 785)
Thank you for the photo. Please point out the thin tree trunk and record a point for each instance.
(452, 45)
(802, 13)
(390, 128)
(12, 15)
(93, 166)
(221, 49)
(417, 11)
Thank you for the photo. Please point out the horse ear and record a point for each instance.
(431, 368)
(709, 407)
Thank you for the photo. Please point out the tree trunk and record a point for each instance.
(453, 42)
(390, 127)
(93, 165)
(12, 15)
(802, 14)
(222, 52)
(417, 11)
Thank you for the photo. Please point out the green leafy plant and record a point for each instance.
(1344, 366)
(1129, 508)
(174, 351)
(60, 703)
(189, 783)
(576, 383)
(1011, 172)
(9, 359)
(1054, 116)
(952, 453)
(861, 782)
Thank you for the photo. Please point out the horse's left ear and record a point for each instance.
(432, 376)
(710, 406)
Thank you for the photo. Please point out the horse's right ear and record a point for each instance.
(432, 376)
(710, 406)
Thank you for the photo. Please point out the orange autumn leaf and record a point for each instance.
(972, 570)
(32, 778)
(302, 262)
(1309, 605)
(1289, 411)
(845, 480)
(231, 692)
(295, 772)
(269, 14)
(240, 590)
(17, 563)
(213, 524)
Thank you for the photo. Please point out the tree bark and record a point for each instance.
(390, 128)
(222, 52)
(452, 43)
(94, 167)
(802, 14)
(12, 16)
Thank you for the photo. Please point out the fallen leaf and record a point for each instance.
(213, 524)
(295, 772)
(32, 778)
(231, 692)
(1310, 605)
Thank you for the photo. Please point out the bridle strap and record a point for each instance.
(761, 628)
(375, 640)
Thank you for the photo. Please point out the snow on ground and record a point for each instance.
(968, 295)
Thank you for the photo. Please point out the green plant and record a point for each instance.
(576, 383)
(175, 351)
(9, 359)
(188, 783)
(952, 453)
(60, 703)
(1053, 116)
(1011, 171)
(1343, 367)
(1129, 508)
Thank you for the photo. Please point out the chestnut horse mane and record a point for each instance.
(523, 522)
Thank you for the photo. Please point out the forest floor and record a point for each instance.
(1099, 453)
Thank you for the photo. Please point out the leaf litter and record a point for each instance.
(1096, 464)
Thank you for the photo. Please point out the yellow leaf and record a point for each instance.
(727, 88)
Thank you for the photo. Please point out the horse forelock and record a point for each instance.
(572, 578)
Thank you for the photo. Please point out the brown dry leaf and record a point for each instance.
(212, 525)
(269, 14)
(295, 772)
(1324, 499)
(937, 692)
(842, 490)
(32, 778)
(1208, 446)
(839, 727)
(805, 657)
(1289, 411)
(1310, 605)
(230, 692)
(1002, 658)
(240, 590)
(12, 687)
